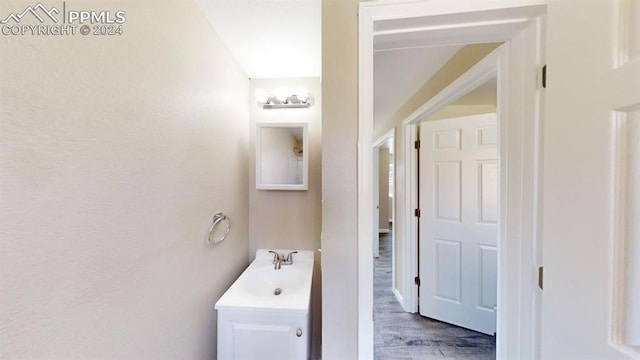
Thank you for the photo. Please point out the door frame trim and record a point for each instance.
(519, 203)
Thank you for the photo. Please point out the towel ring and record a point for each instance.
(217, 219)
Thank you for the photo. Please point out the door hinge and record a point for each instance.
(416, 144)
(416, 212)
(540, 276)
(416, 280)
(544, 76)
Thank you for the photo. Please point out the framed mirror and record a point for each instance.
(282, 156)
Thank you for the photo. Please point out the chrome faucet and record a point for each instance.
(279, 259)
(278, 264)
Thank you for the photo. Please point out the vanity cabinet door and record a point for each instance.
(254, 341)
(242, 337)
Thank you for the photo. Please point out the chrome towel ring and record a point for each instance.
(219, 218)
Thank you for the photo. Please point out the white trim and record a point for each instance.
(398, 295)
(375, 208)
(383, 231)
(516, 261)
(465, 10)
(411, 222)
(365, 187)
(382, 139)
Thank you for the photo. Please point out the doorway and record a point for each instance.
(383, 189)
(457, 143)
(441, 23)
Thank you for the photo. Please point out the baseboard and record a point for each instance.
(384, 231)
(399, 298)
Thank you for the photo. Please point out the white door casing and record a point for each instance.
(375, 238)
(459, 221)
(593, 98)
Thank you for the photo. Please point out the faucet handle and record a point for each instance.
(276, 256)
(290, 257)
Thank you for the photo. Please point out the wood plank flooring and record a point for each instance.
(403, 336)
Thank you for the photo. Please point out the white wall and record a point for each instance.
(290, 219)
(114, 154)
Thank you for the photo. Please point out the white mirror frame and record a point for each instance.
(260, 185)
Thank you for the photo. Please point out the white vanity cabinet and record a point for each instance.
(248, 335)
(264, 315)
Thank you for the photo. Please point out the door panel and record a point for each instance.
(447, 139)
(448, 190)
(449, 269)
(586, 214)
(488, 191)
(252, 341)
(487, 274)
(458, 225)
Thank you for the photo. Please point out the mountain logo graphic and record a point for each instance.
(35, 11)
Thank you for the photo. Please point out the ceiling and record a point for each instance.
(400, 73)
(269, 38)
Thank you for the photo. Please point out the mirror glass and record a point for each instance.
(282, 156)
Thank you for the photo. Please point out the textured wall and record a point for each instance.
(290, 219)
(339, 179)
(287, 219)
(114, 154)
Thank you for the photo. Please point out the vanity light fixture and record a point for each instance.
(282, 99)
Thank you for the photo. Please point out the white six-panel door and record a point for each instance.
(590, 207)
(459, 221)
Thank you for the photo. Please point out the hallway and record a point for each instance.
(403, 336)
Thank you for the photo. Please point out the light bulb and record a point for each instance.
(262, 96)
(281, 95)
(302, 94)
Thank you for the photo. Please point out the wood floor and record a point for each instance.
(403, 336)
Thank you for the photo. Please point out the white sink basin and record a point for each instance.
(265, 281)
(262, 287)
